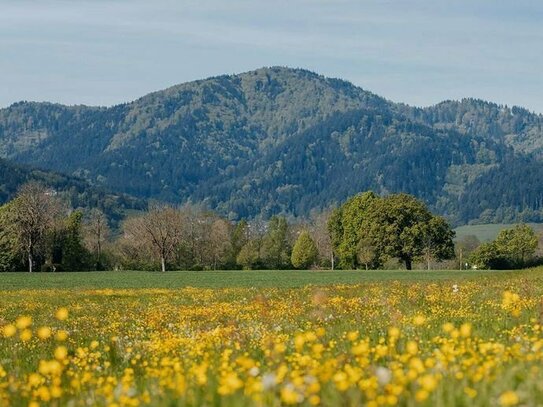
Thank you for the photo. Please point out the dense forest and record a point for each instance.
(286, 141)
(74, 192)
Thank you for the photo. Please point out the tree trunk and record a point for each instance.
(99, 257)
(163, 264)
(333, 259)
(408, 265)
(30, 262)
(366, 266)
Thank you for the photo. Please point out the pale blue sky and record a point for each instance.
(101, 52)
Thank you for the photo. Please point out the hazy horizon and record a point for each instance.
(418, 52)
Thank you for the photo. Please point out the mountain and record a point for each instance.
(281, 140)
(76, 192)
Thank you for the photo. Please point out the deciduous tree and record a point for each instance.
(275, 249)
(304, 252)
(160, 228)
(97, 232)
(34, 211)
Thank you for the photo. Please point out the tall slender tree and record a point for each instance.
(97, 233)
(304, 252)
(275, 249)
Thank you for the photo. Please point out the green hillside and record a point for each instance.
(76, 192)
(280, 140)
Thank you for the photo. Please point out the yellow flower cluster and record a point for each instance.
(373, 344)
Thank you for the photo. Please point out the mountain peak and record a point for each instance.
(280, 139)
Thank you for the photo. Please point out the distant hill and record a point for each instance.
(76, 192)
(281, 140)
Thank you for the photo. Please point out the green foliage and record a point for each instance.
(518, 245)
(249, 257)
(487, 257)
(75, 192)
(396, 226)
(275, 249)
(335, 230)
(240, 238)
(10, 255)
(367, 254)
(436, 239)
(513, 248)
(304, 252)
(60, 249)
(353, 213)
(75, 257)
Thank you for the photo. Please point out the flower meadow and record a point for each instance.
(477, 342)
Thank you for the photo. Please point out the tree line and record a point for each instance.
(39, 233)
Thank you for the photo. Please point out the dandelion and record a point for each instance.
(44, 332)
(25, 335)
(23, 322)
(9, 330)
(62, 314)
(61, 336)
(508, 398)
(465, 330)
(61, 352)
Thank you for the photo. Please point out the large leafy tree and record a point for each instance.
(368, 230)
(517, 245)
(394, 225)
(513, 248)
(352, 216)
(401, 226)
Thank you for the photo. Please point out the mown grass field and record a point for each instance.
(272, 338)
(219, 279)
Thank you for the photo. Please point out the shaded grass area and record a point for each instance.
(224, 279)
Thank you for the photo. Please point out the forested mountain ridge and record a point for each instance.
(280, 140)
(516, 126)
(75, 192)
